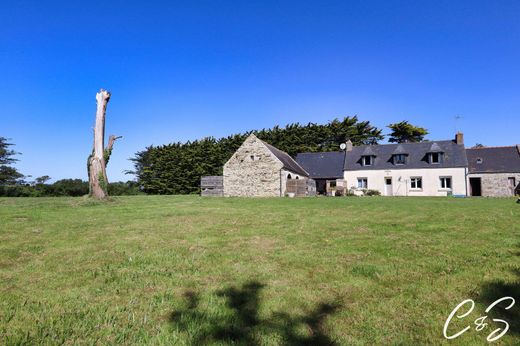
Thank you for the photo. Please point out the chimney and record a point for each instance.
(349, 145)
(459, 138)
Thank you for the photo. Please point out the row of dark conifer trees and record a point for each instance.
(176, 168)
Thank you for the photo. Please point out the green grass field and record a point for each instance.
(164, 270)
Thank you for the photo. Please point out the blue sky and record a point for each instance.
(185, 70)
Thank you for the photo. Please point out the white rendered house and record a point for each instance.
(436, 168)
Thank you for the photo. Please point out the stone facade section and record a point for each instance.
(496, 184)
(253, 171)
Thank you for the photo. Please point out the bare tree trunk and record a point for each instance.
(97, 161)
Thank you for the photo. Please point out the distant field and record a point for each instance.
(165, 270)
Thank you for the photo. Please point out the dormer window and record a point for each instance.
(399, 159)
(367, 160)
(435, 158)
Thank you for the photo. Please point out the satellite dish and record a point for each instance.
(342, 146)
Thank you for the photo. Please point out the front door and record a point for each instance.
(388, 187)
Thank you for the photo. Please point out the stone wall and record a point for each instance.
(253, 171)
(496, 184)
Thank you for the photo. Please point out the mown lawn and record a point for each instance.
(165, 270)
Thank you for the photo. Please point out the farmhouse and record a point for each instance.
(435, 168)
(259, 169)
(494, 171)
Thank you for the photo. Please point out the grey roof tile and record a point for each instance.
(494, 160)
(287, 161)
(454, 156)
(326, 165)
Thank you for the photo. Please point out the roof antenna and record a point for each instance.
(456, 118)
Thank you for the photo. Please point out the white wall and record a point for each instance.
(431, 185)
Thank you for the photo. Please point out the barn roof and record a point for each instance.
(326, 165)
(287, 161)
(494, 159)
(454, 155)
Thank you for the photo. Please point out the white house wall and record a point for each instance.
(401, 181)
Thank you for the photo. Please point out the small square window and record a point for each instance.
(399, 159)
(445, 182)
(367, 160)
(362, 183)
(416, 183)
(435, 158)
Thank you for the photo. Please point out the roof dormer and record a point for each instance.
(399, 155)
(368, 156)
(435, 154)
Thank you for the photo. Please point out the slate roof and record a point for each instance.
(454, 156)
(399, 150)
(494, 160)
(326, 165)
(287, 161)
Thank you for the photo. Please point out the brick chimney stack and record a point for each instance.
(459, 138)
(349, 145)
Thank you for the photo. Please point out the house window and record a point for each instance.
(479, 160)
(367, 160)
(435, 158)
(289, 176)
(416, 183)
(399, 159)
(362, 183)
(512, 182)
(445, 182)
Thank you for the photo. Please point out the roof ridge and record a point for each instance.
(493, 147)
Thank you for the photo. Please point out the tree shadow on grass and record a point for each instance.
(497, 289)
(242, 325)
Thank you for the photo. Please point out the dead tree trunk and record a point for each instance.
(97, 161)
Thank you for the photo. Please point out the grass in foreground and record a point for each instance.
(190, 270)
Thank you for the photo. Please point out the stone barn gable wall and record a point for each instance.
(252, 171)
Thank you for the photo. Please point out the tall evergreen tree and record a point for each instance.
(8, 174)
(404, 132)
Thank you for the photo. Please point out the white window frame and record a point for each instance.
(443, 180)
(414, 181)
(360, 182)
(438, 158)
(370, 158)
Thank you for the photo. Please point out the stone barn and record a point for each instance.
(494, 171)
(258, 169)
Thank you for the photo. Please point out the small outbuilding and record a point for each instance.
(326, 169)
(258, 169)
(494, 171)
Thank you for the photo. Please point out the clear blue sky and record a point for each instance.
(184, 70)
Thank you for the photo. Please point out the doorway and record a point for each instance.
(388, 187)
(475, 185)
